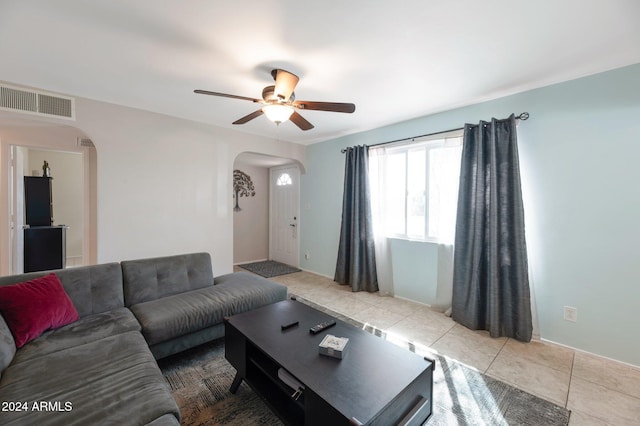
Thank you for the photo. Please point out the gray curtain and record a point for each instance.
(356, 265)
(490, 275)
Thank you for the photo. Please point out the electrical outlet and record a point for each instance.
(307, 256)
(570, 313)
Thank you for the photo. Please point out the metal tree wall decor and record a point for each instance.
(242, 187)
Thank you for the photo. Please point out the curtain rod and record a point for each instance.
(522, 116)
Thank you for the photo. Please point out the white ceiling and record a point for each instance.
(394, 60)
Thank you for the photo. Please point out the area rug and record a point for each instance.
(200, 379)
(269, 268)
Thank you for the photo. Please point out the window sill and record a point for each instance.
(417, 240)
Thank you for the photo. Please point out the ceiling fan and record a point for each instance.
(279, 104)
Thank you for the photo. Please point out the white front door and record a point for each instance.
(285, 214)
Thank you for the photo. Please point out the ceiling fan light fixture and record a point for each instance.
(277, 113)
(279, 104)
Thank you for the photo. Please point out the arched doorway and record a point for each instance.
(253, 224)
(72, 158)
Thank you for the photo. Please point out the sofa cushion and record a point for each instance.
(110, 381)
(93, 289)
(85, 330)
(185, 313)
(154, 278)
(34, 306)
(7, 346)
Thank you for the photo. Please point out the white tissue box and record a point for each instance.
(333, 346)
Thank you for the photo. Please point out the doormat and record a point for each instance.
(269, 268)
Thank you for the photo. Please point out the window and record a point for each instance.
(284, 179)
(415, 188)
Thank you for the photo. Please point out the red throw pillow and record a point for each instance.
(32, 307)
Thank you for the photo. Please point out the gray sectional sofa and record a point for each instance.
(101, 369)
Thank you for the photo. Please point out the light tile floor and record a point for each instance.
(596, 390)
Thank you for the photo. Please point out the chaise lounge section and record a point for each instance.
(101, 369)
(180, 305)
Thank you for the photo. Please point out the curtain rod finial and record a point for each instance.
(523, 116)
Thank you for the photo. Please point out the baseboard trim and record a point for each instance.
(315, 273)
(331, 278)
(416, 301)
(590, 353)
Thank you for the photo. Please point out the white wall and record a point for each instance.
(164, 185)
(251, 224)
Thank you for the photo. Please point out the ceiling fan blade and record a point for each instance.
(225, 95)
(249, 117)
(300, 121)
(285, 84)
(325, 106)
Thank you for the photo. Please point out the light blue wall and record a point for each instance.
(415, 270)
(423, 272)
(580, 164)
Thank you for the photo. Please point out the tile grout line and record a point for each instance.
(566, 403)
(440, 338)
(497, 353)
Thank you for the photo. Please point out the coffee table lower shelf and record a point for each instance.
(262, 375)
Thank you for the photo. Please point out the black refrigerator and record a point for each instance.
(44, 244)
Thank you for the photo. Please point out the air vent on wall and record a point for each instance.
(36, 102)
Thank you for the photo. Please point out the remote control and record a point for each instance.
(289, 325)
(322, 326)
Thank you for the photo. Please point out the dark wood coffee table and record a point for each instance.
(376, 382)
